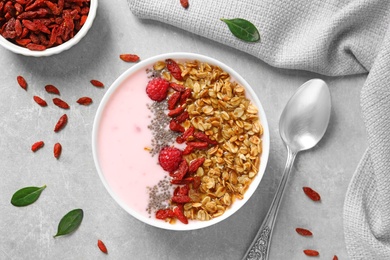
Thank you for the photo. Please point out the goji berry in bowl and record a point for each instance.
(180, 141)
(42, 27)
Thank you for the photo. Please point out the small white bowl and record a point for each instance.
(60, 48)
(115, 91)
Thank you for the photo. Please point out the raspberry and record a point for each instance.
(157, 89)
(170, 158)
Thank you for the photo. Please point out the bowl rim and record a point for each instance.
(60, 48)
(265, 141)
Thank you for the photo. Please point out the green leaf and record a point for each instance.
(243, 29)
(26, 196)
(70, 222)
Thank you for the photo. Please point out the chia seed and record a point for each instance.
(159, 196)
(162, 135)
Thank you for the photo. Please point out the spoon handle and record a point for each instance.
(259, 248)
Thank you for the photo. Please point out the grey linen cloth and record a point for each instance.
(330, 37)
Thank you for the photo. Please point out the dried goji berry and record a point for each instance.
(189, 132)
(189, 149)
(312, 194)
(52, 89)
(175, 126)
(129, 57)
(37, 145)
(182, 190)
(173, 99)
(61, 123)
(182, 117)
(84, 101)
(195, 164)
(22, 82)
(310, 252)
(198, 145)
(35, 47)
(164, 213)
(180, 199)
(40, 101)
(57, 150)
(181, 171)
(303, 232)
(197, 182)
(60, 103)
(184, 3)
(186, 94)
(335, 257)
(180, 216)
(97, 83)
(175, 112)
(177, 87)
(102, 246)
(187, 180)
(203, 137)
(174, 69)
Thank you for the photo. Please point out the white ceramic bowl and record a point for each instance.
(115, 87)
(57, 49)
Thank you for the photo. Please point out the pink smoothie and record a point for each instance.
(122, 137)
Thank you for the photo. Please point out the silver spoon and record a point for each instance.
(302, 125)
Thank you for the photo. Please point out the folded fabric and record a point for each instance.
(330, 37)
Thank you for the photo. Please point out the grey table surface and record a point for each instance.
(73, 182)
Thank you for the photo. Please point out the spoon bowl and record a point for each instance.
(305, 118)
(302, 124)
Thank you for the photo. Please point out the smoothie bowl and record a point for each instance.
(180, 141)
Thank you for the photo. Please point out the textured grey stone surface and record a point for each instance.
(73, 182)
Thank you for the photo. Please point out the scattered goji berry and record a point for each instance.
(57, 150)
(52, 89)
(335, 257)
(174, 69)
(84, 101)
(129, 57)
(97, 83)
(61, 123)
(303, 232)
(184, 3)
(310, 252)
(37, 145)
(102, 246)
(60, 103)
(22, 82)
(40, 101)
(312, 194)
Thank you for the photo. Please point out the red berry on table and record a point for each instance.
(170, 158)
(157, 89)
